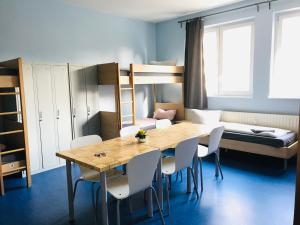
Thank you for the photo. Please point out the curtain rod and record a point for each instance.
(229, 10)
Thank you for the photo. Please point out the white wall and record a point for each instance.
(170, 38)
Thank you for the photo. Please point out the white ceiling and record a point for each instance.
(151, 10)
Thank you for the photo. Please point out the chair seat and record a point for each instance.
(202, 151)
(94, 176)
(118, 187)
(168, 165)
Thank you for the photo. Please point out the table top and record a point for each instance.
(118, 151)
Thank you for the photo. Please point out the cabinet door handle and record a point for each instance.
(88, 110)
(57, 114)
(74, 112)
(40, 116)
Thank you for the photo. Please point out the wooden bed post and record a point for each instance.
(118, 96)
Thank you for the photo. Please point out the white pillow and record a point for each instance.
(164, 63)
(203, 116)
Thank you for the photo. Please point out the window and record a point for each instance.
(285, 75)
(228, 59)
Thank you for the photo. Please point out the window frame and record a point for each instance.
(276, 44)
(220, 28)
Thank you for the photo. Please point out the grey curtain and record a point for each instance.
(194, 80)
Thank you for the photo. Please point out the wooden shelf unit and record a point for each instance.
(125, 80)
(14, 158)
(11, 132)
(12, 151)
(9, 113)
(9, 93)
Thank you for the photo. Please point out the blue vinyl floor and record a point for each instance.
(255, 191)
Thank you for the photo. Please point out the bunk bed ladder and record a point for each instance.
(131, 81)
(121, 103)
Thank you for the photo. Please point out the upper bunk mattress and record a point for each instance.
(260, 135)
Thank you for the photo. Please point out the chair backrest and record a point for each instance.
(184, 153)
(214, 139)
(130, 130)
(84, 141)
(140, 171)
(164, 123)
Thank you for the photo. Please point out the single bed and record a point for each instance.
(239, 137)
(269, 136)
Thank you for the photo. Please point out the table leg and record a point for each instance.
(196, 169)
(150, 203)
(70, 190)
(104, 209)
(160, 185)
(189, 186)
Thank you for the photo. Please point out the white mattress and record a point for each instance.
(246, 129)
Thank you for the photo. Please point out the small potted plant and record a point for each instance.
(141, 136)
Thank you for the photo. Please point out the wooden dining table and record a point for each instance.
(116, 152)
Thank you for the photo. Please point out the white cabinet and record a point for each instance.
(46, 116)
(85, 100)
(61, 96)
(32, 120)
(78, 100)
(62, 102)
(48, 101)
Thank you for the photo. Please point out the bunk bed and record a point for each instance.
(125, 81)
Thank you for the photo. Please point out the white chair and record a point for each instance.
(161, 124)
(213, 147)
(130, 130)
(127, 131)
(140, 172)
(85, 173)
(184, 154)
(164, 123)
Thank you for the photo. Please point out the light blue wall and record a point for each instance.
(52, 31)
(55, 31)
(170, 41)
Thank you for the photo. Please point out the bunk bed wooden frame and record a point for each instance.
(12, 84)
(125, 80)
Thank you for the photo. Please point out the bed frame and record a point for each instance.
(289, 122)
(125, 80)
